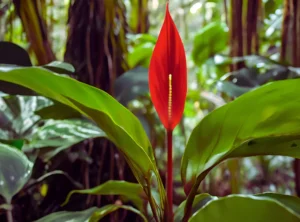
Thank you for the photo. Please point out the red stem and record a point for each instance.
(169, 181)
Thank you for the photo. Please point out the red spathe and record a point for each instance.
(168, 58)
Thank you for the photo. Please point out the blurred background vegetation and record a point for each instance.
(232, 46)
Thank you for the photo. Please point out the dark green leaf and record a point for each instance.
(58, 111)
(200, 201)
(93, 214)
(60, 67)
(129, 191)
(131, 84)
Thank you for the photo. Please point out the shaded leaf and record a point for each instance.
(236, 208)
(75, 216)
(131, 84)
(93, 214)
(200, 201)
(13, 54)
(58, 111)
(129, 191)
(103, 211)
(60, 67)
(15, 171)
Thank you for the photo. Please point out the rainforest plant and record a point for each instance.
(253, 124)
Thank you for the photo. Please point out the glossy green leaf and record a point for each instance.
(15, 171)
(199, 201)
(210, 40)
(119, 124)
(93, 214)
(264, 121)
(236, 208)
(129, 191)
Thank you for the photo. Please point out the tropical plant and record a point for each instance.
(251, 125)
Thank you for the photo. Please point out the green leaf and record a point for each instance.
(60, 67)
(129, 191)
(210, 40)
(62, 134)
(58, 133)
(93, 214)
(75, 216)
(103, 211)
(200, 201)
(264, 121)
(131, 84)
(236, 208)
(58, 111)
(15, 171)
(293, 203)
(119, 124)
(141, 55)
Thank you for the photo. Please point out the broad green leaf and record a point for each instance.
(21, 127)
(209, 41)
(93, 214)
(265, 121)
(129, 191)
(103, 211)
(236, 208)
(15, 171)
(119, 124)
(200, 201)
(291, 202)
(75, 216)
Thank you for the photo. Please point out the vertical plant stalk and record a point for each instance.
(169, 182)
(9, 216)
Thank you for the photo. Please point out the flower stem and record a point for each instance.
(169, 181)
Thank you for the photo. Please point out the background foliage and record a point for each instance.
(232, 46)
